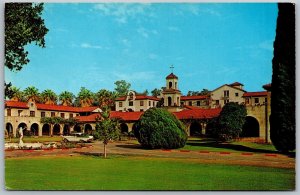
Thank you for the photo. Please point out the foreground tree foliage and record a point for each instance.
(282, 123)
(158, 128)
(229, 124)
(23, 25)
(107, 129)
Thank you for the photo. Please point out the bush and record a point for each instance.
(157, 128)
(231, 121)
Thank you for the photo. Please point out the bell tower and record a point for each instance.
(171, 93)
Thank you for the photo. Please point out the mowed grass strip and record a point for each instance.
(139, 173)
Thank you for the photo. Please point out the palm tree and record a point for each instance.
(66, 98)
(32, 94)
(48, 97)
(17, 94)
(105, 98)
(85, 97)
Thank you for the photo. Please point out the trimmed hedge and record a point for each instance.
(158, 128)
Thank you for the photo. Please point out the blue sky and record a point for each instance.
(94, 45)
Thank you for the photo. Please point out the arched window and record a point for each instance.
(170, 85)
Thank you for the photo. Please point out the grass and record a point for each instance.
(238, 146)
(138, 173)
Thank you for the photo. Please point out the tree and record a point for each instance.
(23, 25)
(122, 87)
(155, 92)
(66, 98)
(231, 121)
(105, 98)
(146, 92)
(282, 122)
(48, 97)
(158, 128)
(107, 129)
(192, 93)
(85, 97)
(16, 94)
(204, 92)
(32, 93)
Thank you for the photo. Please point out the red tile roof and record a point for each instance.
(235, 84)
(139, 97)
(194, 97)
(15, 104)
(89, 118)
(172, 76)
(255, 94)
(198, 113)
(126, 116)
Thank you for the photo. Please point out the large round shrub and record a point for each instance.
(158, 128)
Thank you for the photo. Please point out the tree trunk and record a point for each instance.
(104, 150)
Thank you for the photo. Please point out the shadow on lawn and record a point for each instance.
(214, 144)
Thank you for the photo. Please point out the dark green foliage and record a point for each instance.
(230, 122)
(122, 87)
(282, 121)
(212, 128)
(157, 128)
(155, 92)
(23, 25)
(106, 128)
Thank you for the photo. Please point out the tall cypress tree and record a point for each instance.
(282, 120)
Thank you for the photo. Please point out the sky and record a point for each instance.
(93, 45)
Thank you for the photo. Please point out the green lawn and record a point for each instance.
(238, 146)
(137, 173)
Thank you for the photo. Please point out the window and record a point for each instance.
(266, 100)
(247, 100)
(141, 103)
(8, 112)
(153, 103)
(141, 110)
(236, 94)
(32, 113)
(190, 103)
(130, 103)
(256, 100)
(52, 114)
(130, 96)
(120, 104)
(175, 85)
(226, 101)
(71, 115)
(170, 85)
(77, 114)
(62, 115)
(19, 112)
(217, 102)
(198, 103)
(43, 114)
(226, 93)
(150, 103)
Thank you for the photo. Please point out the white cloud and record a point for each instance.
(122, 12)
(146, 33)
(143, 32)
(89, 46)
(126, 42)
